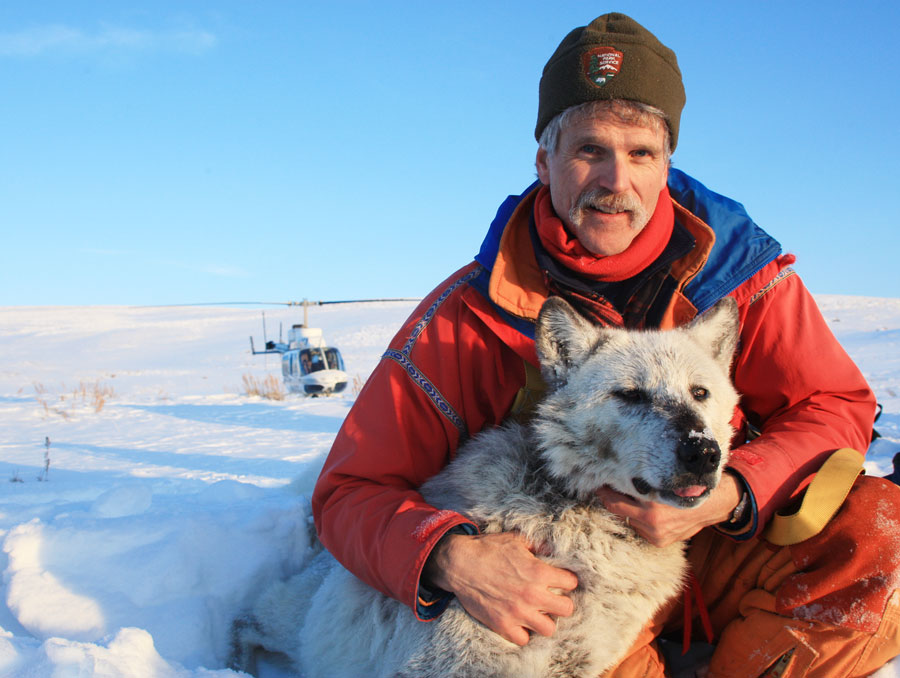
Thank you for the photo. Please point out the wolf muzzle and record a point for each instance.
(698, 454)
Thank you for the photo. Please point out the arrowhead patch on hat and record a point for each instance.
(601, 64)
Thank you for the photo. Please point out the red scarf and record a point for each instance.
(568, 251)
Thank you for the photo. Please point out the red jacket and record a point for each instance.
(456, 367)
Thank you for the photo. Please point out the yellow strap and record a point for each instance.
(529, 395)
(823, 498)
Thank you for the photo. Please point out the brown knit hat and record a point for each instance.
(613, 57)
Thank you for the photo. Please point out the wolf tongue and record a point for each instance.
(692, 491)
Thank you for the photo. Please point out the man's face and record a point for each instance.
(604, 179)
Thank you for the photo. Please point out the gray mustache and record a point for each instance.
(599, 198)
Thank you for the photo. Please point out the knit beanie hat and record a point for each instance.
(613, 57)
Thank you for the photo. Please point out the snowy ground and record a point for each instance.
(172, 497)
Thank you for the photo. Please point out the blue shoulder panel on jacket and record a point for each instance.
(742, 248)
(491, 244)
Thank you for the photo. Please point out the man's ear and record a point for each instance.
(542, 166)
(563, 339)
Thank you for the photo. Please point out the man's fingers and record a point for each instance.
(555, 577)
(559, 606)
(542, 625)
(516, 634)
(617, 502)
(564, 580)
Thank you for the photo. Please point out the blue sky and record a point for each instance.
(176, 152)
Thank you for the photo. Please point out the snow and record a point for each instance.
(172, 498)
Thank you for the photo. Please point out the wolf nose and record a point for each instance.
(699, 454)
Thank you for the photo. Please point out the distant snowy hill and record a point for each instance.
(145, 499)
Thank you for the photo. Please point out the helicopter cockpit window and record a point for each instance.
(310, 361)
(315, 359)
(334, 359)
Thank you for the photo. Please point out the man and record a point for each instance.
(629, 242)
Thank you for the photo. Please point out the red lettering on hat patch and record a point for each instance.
(601, 64)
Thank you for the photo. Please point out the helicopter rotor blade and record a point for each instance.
(279, 303)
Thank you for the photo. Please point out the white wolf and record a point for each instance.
(646, 413)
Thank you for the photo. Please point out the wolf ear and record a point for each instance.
(563, 340)
(718, 329)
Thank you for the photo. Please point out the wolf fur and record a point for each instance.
(646, 413)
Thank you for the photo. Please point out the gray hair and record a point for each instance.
(630, 112)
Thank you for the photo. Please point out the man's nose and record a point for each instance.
(614, 174)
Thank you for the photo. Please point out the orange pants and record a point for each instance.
(827, 607)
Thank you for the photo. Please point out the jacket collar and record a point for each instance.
(517, 284)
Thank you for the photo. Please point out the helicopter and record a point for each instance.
(309, 366)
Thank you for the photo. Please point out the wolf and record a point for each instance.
(646, 413)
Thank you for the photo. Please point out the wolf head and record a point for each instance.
(645, 412)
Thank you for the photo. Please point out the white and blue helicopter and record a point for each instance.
(308, 364)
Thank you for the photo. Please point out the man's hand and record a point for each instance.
(661, 524)
(499, 581)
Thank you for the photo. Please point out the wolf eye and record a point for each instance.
(631, 395)
(699, 393)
